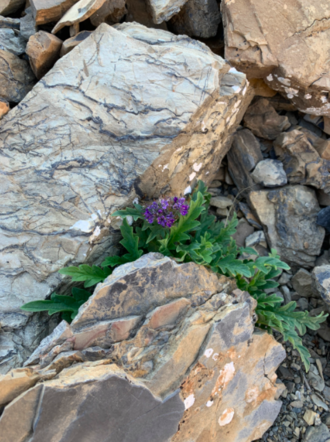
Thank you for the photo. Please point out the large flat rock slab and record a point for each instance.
(129, 111)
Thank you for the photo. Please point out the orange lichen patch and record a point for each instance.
(226, 417)
(200, 375)
(225, 376)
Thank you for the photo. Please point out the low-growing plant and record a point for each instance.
(186, 231)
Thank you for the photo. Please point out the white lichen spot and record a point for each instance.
(192, 176)
(160, 165)
(215, 356)
(226, 417)
(136, 200)
(189, 401)
(208, 352)
(307, 96)
(284, 81)
(187, 190)
(236, 89)
(270, 77)
(233, 71)
(178, 150)
(165, 167)
(324, 99)
(97, 231)
(207, 173)
(291, 91)
(204, 128)
(209, 403)
(290, 96)
(227, 373)
(197, 167)
(129, 219)
(86, 225)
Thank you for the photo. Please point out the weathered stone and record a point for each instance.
(11, 42)
(47, 11)
(140, 12)
(302, 283)
(321, 283)
(323, 218)
(318, 433)
(165, 150)
(290, 51)
(194, 370)
(243, 157)
(9, 23)
(15, 383)
(72, 42)
(17, 78)
(9, 6)
(28, 24)
(323, 198)
(43, 50)
(4, 107)
(261, 89)
(244, 229)
(197, 19)
(222, 202)
(111, 12)
(326, 128)
(309, 417)
(79, 12)
(163, 10)
(269, 173)
(255, 239)
(289, 217)
(262, 119)
(301, 160)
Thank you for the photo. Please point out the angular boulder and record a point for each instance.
(321, 283)
(289, 50)
(101, 129)
(192, 368)
(289, 215)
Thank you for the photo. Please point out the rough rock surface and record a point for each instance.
(9, 6)
(9, 23)
(269, 173)
(289, 217)
(264, 121)
(11, 42)
(28, 25)
(197, 19)
(301, 160)
(43, 50)
(289, 50)
(116, 127)
(163, 10)
(17, 78)
(72, 42)
(323, 218)
(4, 107)
(47, 11)
(192, 367)
(321, 283)
(111, 12)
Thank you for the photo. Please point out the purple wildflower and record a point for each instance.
(166, 211)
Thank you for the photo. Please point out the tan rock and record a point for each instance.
(288, 50)
(79, 12)
(111, 12)
(4, 107)
(326, 125)
(15, 383)
(47, 11)
(72, 42)
(43, 50)
(262, 119)
(7, 7)
(261, 89)
(17, 78)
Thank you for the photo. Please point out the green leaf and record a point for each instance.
(80, 294)
(90, 274)
(136, 212)
(130, 242)
(114, 261)
(178, 232)
(232, 266)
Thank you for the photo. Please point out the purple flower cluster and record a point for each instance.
(166, 211)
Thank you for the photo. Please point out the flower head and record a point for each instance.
(166, 211)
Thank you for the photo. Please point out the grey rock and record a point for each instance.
(163, 10)
(321, 283)
(83, 181)
(262, 119)
(286, 294)
(243, 157)
(289, 216)
(323, 218)
(28, 24)
(315, 381)
(323, 259)
(269, 173)
(326, 393)
(285, 278)
(11, 42)
(9, 23)
(244, 229)
(302, 283)
(303, 304)
(139, 11)
(255, 239)
(17, 78)
(319, 403)
(317, 434)
(197, 19)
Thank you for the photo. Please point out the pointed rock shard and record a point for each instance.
(72, 42)
(133, 125)
(43, 50)
(15, 383)
(47, 11)
(10, 6)
(163, 10)
(79, 12)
